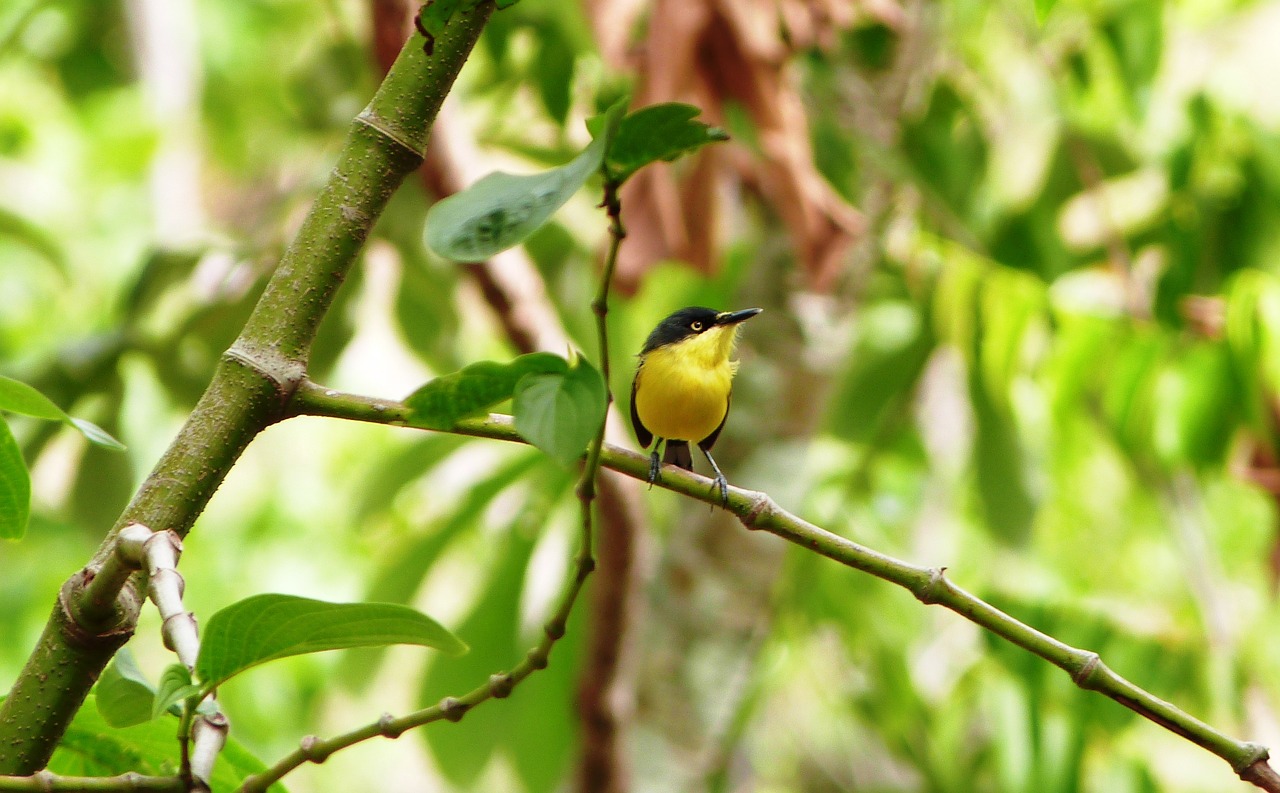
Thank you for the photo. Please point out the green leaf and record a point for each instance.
(492, 628)
(18, 397)
(502, 210)
(15, 487)
(471, 391)
(1000, 464)
(124, 695)
(92, 747)
(175, 686)
(266, 627)
(658, 132)
(407, 563)
(560, 413)
(1043, 7)
(436, 14)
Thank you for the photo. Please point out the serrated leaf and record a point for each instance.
(266, 627)
(175, 686)
(560, 413)
(18, 397)
(471, 391)
(658, 132)
(502, 210)
(15, 487)
(124, 695)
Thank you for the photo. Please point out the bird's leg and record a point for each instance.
(721, 482)
(654, 463)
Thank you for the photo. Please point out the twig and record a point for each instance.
(201, 735)
(45, 782)
(757, 510)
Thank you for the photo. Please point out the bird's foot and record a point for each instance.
(654, 464)
(722, 485)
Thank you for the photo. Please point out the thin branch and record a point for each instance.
(757, 510)
(45, 782)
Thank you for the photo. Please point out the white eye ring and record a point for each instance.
(697, 325)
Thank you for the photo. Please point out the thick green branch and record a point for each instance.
(250, 389)
(929, 585)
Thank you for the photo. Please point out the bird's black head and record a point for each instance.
(690, 322)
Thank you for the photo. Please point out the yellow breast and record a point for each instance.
(682, 390)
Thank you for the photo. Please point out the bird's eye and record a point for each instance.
(696, 326)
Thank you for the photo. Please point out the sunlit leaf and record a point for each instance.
(124, 695)
(502, 209)
(15, 487)
(658, 132)
(266, 627)
(561, 412)
(473, 390)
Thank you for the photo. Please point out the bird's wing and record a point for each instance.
(706, 443)
(642, 432)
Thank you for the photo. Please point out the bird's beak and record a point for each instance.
(734, 317)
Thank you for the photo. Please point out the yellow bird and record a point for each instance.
(682, 386)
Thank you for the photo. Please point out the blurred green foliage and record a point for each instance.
(1055, 373)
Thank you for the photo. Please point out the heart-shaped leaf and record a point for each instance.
(561, 412)
(266, 627)
(471, 391)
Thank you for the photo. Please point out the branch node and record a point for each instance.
(761, 505)
(387, 727)
(1254, 764)
(554, 629)
(453, 708)
(1083, 674)
(131, 542)
(931, 593)
(45, 780)
(313, 749)
(500, 685)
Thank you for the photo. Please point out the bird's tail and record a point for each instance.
(678, 454)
